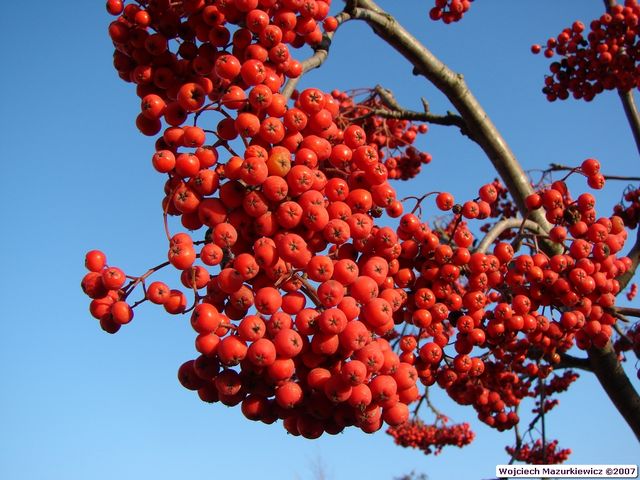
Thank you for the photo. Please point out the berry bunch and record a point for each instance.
(289, 221)
(305, 307)
(629, 212)
(394, 137)
(630, 341)
(537, 453)
(604, 58)
(431, 438)
(449, 10)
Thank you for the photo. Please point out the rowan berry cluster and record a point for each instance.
(629, 209)
(630, 341)
(390, 135)
(431, 438)
(449, 10)
(105, 285)
(604, 58)
(586, 284)
(288, 221)
(537, 453)
(305, 309)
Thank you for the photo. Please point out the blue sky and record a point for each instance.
(76, 403)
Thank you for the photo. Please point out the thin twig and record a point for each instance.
(398, 112)
(554, 167)
(518, 446)
(309, 290)
(542, 420)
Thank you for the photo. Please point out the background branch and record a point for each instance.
(631, 111)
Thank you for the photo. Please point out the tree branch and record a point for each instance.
(632, 312)
(507, 224)
(556, 167)
(397, 112)
(569, 361)
(455, 89)
(604, 363)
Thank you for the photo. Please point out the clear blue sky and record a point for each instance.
(76, 403)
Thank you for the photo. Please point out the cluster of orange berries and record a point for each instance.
(537, 453)
(449, 10)
(604, 58)
(431, 438)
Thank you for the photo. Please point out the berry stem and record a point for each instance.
(309, 290)
(418, 200)
(132, 285)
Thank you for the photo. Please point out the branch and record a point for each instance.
(504, 225)
(397, 112)
(452, 85)
(518, 445)
(555, 167)
(632, 312)
(569, 361)
(309, 290)
(615, 382)
(624, 338)
(318, 58)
